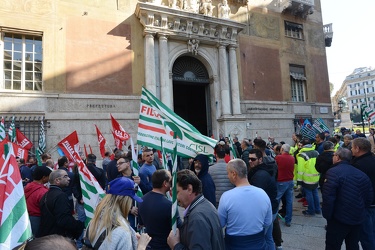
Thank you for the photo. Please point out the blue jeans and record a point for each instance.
(312, 198)
(367, 236)
(287, 189)
(81, 217)
(35, 223)
(269, 238)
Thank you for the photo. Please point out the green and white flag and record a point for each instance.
(42, 144)
(157, 121)
(368, 113)
(174, 188)
(12, 131)
(232, 147)
(2, 129)
(135, 165)
(14, 219)
(92, 192)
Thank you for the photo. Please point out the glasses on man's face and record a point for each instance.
(120, 163)
(253, 159)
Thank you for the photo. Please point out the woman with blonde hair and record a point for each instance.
(110, 229)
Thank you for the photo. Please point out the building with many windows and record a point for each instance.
(235, 67)
(357, 88)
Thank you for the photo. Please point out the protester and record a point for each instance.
(147, 170)
(109, 229)
(347, 193)
(308, 177)
(285, 163)
(219, 173)
(55, 242)
(324, 161)
(98, 173)
(262, 175)
(201, 226)
(34, 192)
(124, 169)
(112, 172)
(63, 163)
(364, 160)
(56, 215)
(25, 171)
(200, 168)
(244, 232)
(155, 210)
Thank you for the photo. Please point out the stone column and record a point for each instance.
(236, 108)
(150, 80)
(224, 81)
(165, 88)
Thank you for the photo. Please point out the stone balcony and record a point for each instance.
(300, 8)
(328, 34)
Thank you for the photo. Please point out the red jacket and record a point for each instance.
(285, 166)
(34, 193)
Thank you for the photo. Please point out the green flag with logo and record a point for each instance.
(158, 122)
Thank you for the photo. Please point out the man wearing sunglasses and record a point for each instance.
(261, 175)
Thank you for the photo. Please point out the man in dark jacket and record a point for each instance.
(364, 160)
(261, 176)
(200, 168)
(201, 226)
(346, 194)
(98, 173)
(71, 188)
(112, 172)
(324, 161)
(246, 147)
(56, 216)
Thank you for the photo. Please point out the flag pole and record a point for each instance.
(49, 151)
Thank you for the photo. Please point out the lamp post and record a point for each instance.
(341, 105)
(363, 120)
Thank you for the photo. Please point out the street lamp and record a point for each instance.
(341, 105)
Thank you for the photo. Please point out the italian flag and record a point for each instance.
(15, 225)
(158, 122)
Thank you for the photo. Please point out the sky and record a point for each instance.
(353, 43)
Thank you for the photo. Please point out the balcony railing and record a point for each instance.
(328, 34)
(301, 8)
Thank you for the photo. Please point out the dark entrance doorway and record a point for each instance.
(191, 93)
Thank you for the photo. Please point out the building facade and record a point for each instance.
(236, 67)
(358, 88)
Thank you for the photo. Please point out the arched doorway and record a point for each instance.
(191, 93)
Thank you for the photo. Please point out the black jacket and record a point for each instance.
(366, 163)
(56, 216)
(98, 173)
(262, 176)
(323, 162)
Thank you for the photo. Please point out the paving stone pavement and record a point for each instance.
(305, 233)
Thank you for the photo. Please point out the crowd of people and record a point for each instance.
(244, 191)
